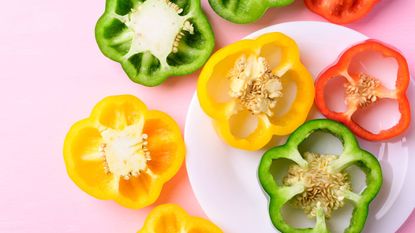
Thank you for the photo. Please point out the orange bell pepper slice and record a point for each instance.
(171, 218)
(283, 61)
(124, 152)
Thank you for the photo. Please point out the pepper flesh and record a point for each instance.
(181, 44)
(245, 11)
(171, 218)
(363, 90)
(255, 89)
(124, 152)
(352, 155)
(341, 11)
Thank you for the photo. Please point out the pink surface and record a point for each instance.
(52, 74)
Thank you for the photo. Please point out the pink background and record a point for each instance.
(52, 74)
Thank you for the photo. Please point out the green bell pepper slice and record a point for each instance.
(302, 185)
(155, 39)
(245, 11)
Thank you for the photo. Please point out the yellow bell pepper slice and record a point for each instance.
(233, 99)
(124, 152)
(171, 218)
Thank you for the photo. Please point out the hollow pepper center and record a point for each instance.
(125, 151)
(254, 85)
(362, 92)
(157, 27)
(323, 188)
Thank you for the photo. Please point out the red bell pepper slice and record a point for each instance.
(362, 90)
(341, 11)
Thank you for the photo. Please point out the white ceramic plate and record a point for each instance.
(225, 181)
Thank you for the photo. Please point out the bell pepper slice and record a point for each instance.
(155, 39)
(124, 152)
(171, 218)
(363, 90)
(341, 11)
(252, 75)
(317, 183)
(245, 11)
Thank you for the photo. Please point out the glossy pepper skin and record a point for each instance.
(117, 122)
(341, 11)
(171, 218)
(381, 92)
(289, 68)
(140, 36)
(245, 11)
(352, 155)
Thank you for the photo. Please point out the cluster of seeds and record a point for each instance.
(254, 85)
(322, 188)
(364, 91)
(139, 148)
(187, 27)
(174, 6)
